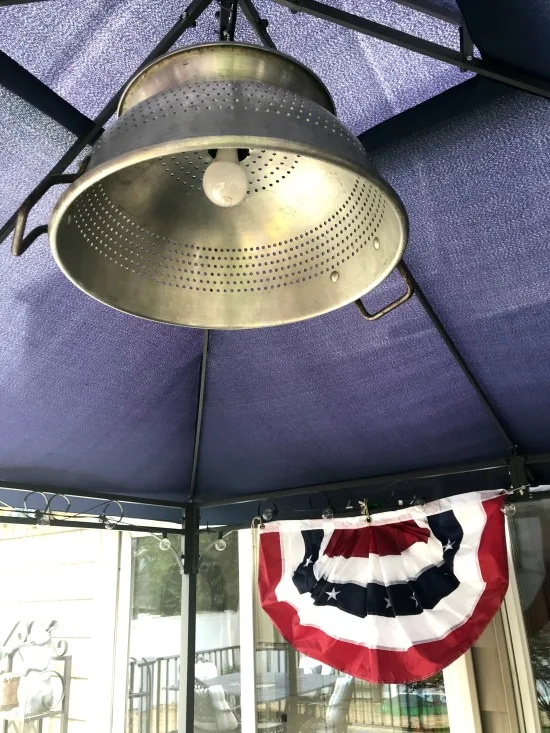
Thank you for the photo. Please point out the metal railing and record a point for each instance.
(154, 688)
(421, 706)
(227, 659)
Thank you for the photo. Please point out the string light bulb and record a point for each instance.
(224, 181)
(164, 543)
(509, 510)
(267, 515)
(328, 513)
(220, 544)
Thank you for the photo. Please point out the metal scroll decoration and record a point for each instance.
(30, 650)
(393, 597)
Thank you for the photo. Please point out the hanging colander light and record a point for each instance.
(227, 195)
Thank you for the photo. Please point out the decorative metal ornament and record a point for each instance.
(228, 195)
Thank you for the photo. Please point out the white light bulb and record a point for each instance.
(224, 181)
(509, 510)
(220, 544)
(164, 544)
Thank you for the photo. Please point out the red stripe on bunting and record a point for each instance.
(379, 665)
(382, 540)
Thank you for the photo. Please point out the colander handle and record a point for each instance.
(20, 242)
(409, 282)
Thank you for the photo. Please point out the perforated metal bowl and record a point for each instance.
(317, 229)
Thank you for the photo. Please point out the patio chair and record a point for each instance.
(335, 719)
(212, 711)
(309, 666)
(205, 670)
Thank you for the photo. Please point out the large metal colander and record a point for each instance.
(317, 229)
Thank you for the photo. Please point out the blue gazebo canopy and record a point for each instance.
(420, 403)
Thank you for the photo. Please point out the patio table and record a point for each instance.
(274, 686)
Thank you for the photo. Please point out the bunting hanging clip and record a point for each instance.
(365, 510)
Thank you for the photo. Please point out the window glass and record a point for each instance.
(300, 694)
(530, 534)
(217, 641)
(293, 693)
(155, 635)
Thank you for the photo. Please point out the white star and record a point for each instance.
(309, 561)
(332, 594)
(388, 602)
(414, 598)
(448, 546)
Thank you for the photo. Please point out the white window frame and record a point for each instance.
(122, 603)
(247, 627)
(518, 649)
(461, 694)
